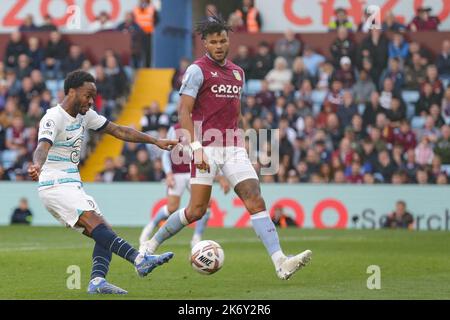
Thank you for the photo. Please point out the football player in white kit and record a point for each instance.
(176, 165)
(55, 166)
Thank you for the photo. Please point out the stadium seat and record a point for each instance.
(410, 97)
(318, 96)
(446, 168)
(252, 87)
(417, 122)
(54, 86)
(361, 108)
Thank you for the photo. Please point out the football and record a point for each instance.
(207, 257)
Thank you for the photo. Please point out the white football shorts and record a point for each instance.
(233, 161)
(67, 202)
(182, 183)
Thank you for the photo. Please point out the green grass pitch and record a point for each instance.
(414, 265)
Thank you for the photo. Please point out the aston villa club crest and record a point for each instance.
(237, 75)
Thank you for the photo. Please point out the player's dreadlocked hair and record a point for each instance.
(213, 24)
(76, 79)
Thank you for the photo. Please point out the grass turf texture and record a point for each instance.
(414, 265)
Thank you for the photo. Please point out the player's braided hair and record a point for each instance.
(76, 79)
(211, 25)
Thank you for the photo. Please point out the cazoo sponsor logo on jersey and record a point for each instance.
(226, 91)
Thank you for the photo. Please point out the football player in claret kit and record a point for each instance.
(211, 99)
(55, 166)
(176, 165)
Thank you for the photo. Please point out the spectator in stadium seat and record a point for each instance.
(443, 61)
(250, 15)
(415, 47)
(367, 66)
(436, 168)
(34, 114)
(435, 113)
(10, 112)
(16, 46)
(445, 106)
(363, 88)
(325, 73)
(335, 95)
(347, 110)
(300, 73)
(48, 24)
(26, 94)
(388, 93)
(429, 129)
(396, 112)
(279, 75)
(39, 85)
(424, 21)
(107, 174)
(236, 22)
(375, 48)
(355, 174)
(404, 136)
(28, 24)
(312, 60)
(120, 169)
(442, 146)
(74, 60)
(340, 20)
(385, 167)
(3, 94)
(22, 214)
(102, 23)
(422, 176)
(35, 52)
(424, 152)
(177, 77)
(383, 123)
(415, 74)
(395, 73)
(145, 166)
(432, 77)
(23, 68)
(243, 59)
(442, 178)
(400, 218)
(390, 23)
(345, 73)
(398, 47)
(114, 70)
(281, 219)
(426, 100)
(377, 139)
(133, 173)
(288, 47)
(342, 46)
(131, 27)
(262, 62)
(339, 177)
(57, 48)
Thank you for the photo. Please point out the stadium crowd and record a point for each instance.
(378, 111)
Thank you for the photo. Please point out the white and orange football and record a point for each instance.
(207, 257)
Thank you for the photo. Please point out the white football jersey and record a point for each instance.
(66, 134)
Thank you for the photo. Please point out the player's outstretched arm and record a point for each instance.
(39, 158)
(132, 135)
(184, 115)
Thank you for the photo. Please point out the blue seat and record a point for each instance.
(446, 168)
(252, 87)
(318, 97)
(410, 96)
(417, 122)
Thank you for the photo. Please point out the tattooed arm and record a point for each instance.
(39, 157)
(131, 135)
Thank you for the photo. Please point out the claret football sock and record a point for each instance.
(109, 240)
(267, 232)
(101, 258)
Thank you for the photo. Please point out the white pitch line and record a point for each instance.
(169, 243)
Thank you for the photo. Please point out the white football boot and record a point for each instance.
(289, 265)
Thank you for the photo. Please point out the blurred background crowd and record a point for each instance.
(378, 111)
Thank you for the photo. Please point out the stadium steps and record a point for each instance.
(149, 85)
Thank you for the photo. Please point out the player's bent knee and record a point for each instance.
(89, 220)
(195, 213)
(255, 204)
